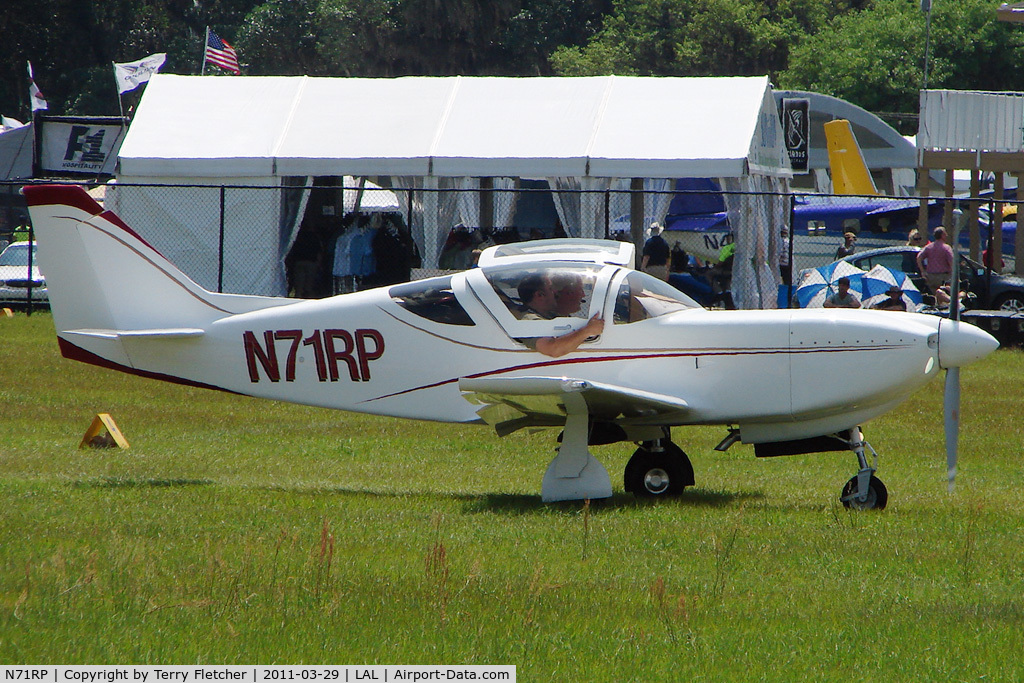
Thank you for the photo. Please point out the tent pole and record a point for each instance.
(636, 217)
(220, 250)
(206, 41)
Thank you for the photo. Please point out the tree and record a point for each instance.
(875, 57)
(404, 37)
(696, 37)
(72, 44)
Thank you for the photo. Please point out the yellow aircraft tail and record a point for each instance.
(850, 173)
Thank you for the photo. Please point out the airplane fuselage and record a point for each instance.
(763, 370)
(505, 344)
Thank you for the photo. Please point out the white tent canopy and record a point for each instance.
(608, 126)
(580, 133)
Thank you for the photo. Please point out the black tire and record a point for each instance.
(658, 473)
(1011, 301)
(878, 496)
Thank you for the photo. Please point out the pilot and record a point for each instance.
(537, 295)
(559, 296)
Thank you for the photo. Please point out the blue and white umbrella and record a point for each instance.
(877, 282)
(817, 285)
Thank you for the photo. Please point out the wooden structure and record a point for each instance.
(1010, 11)
(979, 132)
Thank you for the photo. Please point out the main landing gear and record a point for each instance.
(864, 491)
(658, 468)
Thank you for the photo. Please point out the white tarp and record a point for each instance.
(602, 126)
(965, 120)
(16, 153)
(431, 132)
(184, 224)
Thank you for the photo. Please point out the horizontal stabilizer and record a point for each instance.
(166, 333)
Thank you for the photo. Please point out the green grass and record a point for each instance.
(242, 531)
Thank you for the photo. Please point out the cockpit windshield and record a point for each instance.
(547, 292)
(432, 299)
(642, 296)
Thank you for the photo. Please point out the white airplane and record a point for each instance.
(461, 348)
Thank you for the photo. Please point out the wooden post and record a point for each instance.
(947, 208)
(1018, 242)
(973, 215)
(923, 191)
(636, 216)
(996, 246)
(486, 203)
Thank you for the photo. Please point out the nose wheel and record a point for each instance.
(658, 468)
(875, 497)
(864, 491)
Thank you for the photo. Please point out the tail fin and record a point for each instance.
(850, 173)
(106, 283)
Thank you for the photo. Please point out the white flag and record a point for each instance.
(34, 96)
(7, 123)
(132, 74)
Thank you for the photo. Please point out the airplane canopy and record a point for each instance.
(609, 126)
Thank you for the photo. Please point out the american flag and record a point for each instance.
(219, 52)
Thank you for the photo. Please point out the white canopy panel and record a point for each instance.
(184, 123)
(519, 127)
(968, 120)
(363, 126)
(211, 126)
(679, 127)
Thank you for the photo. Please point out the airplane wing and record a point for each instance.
(894, 205)
(511, 403)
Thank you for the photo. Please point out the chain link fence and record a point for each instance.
(314, 238)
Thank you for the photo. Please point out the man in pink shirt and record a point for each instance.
(935, 261)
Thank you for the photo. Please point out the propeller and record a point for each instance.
(951, 417)
(951, 392)
(959, 344)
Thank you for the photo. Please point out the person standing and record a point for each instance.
(785, 269)
(935, 261)
(656, 254)
(848, 246)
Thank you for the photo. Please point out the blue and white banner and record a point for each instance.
(80, 145)
(131, 75)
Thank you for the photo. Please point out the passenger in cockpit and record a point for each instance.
(547, 298)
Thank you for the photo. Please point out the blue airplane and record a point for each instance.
(698, 220)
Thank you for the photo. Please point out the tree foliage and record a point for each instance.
(876, 57)
(72, 43)
(870, 52)
(697, 37)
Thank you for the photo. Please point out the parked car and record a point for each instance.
(991, 290)
(14, 276)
